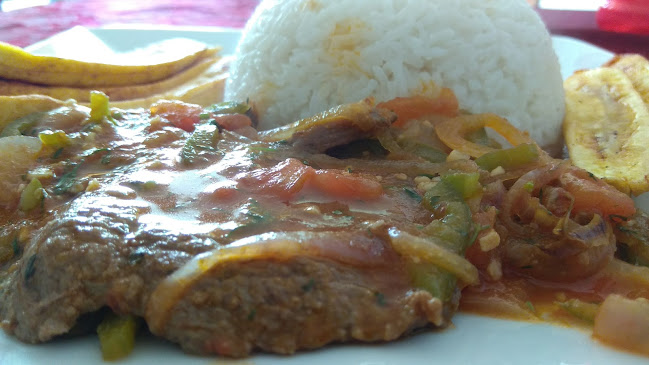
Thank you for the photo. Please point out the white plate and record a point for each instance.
(473, 340)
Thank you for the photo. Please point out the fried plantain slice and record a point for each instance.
(205, 70)
(636, 67)
(20, 65)
(606, 128)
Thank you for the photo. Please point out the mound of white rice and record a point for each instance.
(300, 57)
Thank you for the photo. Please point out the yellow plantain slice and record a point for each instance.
(606, 128)
(636, 68)
(206, 68)
(202, 93)
(205, 89)
(18, 64)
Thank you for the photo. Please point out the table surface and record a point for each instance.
(27, 26)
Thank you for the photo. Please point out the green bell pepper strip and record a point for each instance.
(117, 336)
(452, 230)
(509, 158)
(203, 138)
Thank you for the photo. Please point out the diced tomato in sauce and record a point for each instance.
(186, 116)
(342, 185)
(232, 122)
(181, 115)
(289, 177)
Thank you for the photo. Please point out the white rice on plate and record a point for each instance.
(299, 57)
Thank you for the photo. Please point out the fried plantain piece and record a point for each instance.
(636, 67)
(606, 128)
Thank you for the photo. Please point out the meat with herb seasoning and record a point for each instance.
(226, 241)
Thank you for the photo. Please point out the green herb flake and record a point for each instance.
(380, 299)
(413, 194)
(252, 314)
(529, 241)
(135, 258)
(66, 181)
(529, 186)
(88, 127)
(95, 151)
(105, 160)
(428, 176)
(254, 215)
(434, 200)
(337, 212)
(308, 286)
(628, 231)
(261, 149)
(30, 267)
(477, 228)
(15, 245)
(530, 306)
(57, 153)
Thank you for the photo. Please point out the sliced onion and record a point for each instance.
(518, 197)
(349, 248)
(453, 132)
(382, 167)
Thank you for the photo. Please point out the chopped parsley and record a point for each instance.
(57, 153)
(30, 267)
(15, 245)
(413, 194)
(529, 186)
(252, 314)
(308, 286)
(380, 299)
(67, 181)
(530, 306)
(136, 257)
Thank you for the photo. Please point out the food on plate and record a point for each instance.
(192, 73)
(20, 106)
(356, 224)
(606, 125)
(297, 58)
(208, 73)
(20, 65)
(360, 198)
(226, 240)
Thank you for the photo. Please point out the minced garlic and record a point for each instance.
(489, 241)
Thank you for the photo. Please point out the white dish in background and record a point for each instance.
(473, 340)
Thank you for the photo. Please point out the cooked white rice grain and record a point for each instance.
(300, 57)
